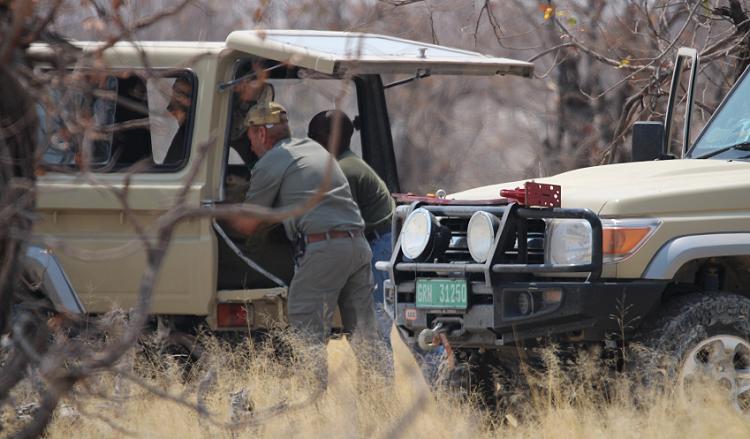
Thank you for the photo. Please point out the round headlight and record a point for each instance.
(567, 242)
(415, 233)
(480, 235)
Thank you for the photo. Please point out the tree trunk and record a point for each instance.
(18, 131)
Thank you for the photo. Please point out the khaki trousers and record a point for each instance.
(336, 272)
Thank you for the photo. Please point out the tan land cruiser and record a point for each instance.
(656, 251)
(191, 94)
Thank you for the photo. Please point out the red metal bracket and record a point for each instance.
(535, 194)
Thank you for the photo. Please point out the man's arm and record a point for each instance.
(264, 187)
(242, 224)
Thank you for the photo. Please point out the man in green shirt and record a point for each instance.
(334, 267)
(333, 129)
(369, 192)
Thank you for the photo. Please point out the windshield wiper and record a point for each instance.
(742, 146)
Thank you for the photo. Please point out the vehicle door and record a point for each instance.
(141, 143)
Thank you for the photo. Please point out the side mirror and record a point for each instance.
(648, 139)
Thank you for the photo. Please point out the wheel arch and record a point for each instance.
(677, 254)
(46, 271)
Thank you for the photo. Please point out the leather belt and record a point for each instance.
(332, 234)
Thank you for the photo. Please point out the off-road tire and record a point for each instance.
(681, 325)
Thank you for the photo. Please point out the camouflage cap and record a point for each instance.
(265, 113)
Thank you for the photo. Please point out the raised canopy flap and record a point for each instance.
(338, 53)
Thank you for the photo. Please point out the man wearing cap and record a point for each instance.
(333, 265)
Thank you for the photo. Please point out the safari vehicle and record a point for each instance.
(97, 260)
(655, 251)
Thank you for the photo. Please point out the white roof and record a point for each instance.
(338, 53)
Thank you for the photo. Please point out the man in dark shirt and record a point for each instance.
(334, 269)
(377, 206)
(369, 192)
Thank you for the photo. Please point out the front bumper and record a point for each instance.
(586, 311)
(585, 307)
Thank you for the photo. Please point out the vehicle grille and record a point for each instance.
(458, 250)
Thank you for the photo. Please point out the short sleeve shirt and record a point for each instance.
(290, 173)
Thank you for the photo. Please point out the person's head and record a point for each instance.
(333, 129)
(179, 103)
(266, 124)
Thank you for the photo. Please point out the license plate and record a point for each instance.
(442, 293)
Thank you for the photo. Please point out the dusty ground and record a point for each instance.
(409, 410)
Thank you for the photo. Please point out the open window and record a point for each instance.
(118, 122)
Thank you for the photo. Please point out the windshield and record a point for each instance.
(730, 126)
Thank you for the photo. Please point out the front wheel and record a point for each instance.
(701, 337)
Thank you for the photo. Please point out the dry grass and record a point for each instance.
(571, 409)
